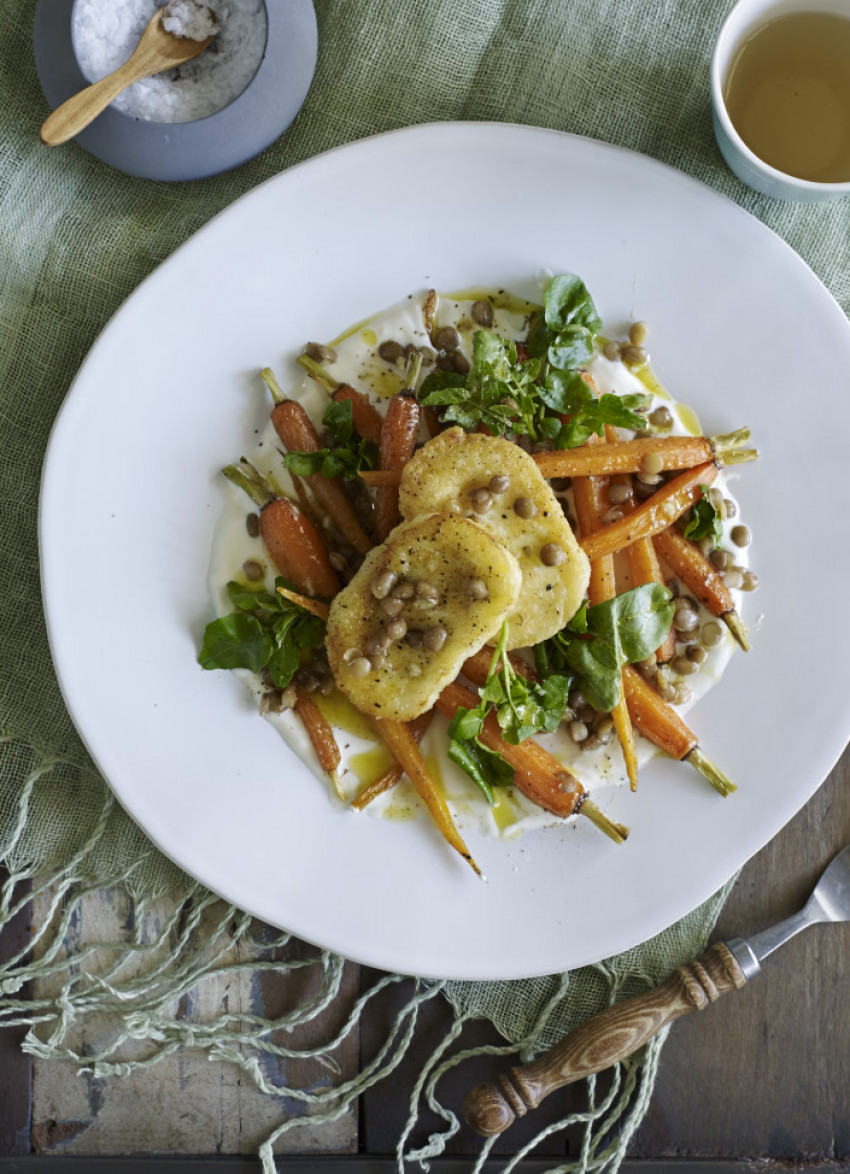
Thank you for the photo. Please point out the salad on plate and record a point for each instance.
(481, 556)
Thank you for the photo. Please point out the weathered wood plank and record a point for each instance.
(385, 1109)
(185, 1103)
(15, 1066)
(765, 1072)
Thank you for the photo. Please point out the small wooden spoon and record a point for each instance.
(156, 51)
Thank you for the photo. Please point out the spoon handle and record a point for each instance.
(80, 109)
(603, 1040)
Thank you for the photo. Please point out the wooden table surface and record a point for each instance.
(763, 1075)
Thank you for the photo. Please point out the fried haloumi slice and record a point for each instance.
(450, 583)
(443, 475)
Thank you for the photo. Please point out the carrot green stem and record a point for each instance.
(709, 771)
(617, 832)
(737, 627)
(316, 371)
(251, 480)
(727, 447)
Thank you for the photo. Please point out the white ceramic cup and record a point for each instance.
(744, 19)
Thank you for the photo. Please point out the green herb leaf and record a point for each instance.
(237, 641)
(268, 631)
(484, 766)
(705, 520)
(609, 635)
(350, 455)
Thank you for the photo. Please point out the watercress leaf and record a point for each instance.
(567, 302)
(704, 521)
(283, 662)
(578, 623)
(466, 723)
(565, 391)
(249, 599)
(635, 622)
(339, 420)
(442, 387)
(599, 681)
(485, 767)
(554, 693)
(619, 410)
(571, 347)
(236, 641)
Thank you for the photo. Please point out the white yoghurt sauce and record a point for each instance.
(105, 33)
(359, 364)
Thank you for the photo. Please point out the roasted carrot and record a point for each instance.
(590, 498)
(321, 736)
(643, 565)
(398, 440)
(393, 774)
(378, 478)
(660, 723)
(402, 745)
(629, 456)
(367, 419)
(293, 542)
(296, 548)
(687, 562)
(317, 606)
(653, 515)
(539, 775)
(298, 434)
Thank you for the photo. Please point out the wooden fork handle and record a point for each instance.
(81, 108)
(600, 1042)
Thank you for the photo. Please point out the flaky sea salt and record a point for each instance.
(105, 33)
(188, 18)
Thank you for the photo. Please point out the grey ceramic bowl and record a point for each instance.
(188, 150)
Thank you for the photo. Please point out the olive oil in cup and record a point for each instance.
(781, 96)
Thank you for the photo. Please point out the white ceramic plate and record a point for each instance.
(741, 329)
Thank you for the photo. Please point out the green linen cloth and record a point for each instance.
(77, 237)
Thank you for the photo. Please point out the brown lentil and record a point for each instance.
(405, 590)
(391, 351)
(638, 333)
(434, 638)
(376, 644)
(695, 653)
(252, 525)
(633, 355)
(711, 634)
(428, 356)
(683, 666)
(612, 515)
(552, 555)
(524, 507)
(741, 535)
(731, 508)
(447, 339)
(397, 629)
(611, 351)
(619, 493)
(751, 581)
(320, 353)
(482, 313)
(426, 590)
(733, 578)
(500, 483)
(477, 589)
(460, 363)
(653, 462)
(360, 667)
(253, 570)
(652, 479)
(413, 639)
(383, 584)
(685, 620)
(719, 559)
(661, 418)
(578, 731)
(391, 606)
(481, 500)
